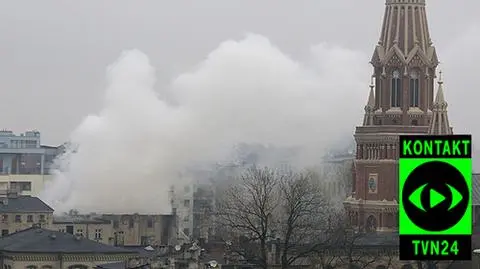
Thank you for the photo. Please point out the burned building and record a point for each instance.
(120, 230)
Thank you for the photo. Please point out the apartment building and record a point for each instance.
(119, 229)
(194, 204)
(20, 212)
(25, 163)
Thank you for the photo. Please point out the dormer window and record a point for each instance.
(396, 90)
(414, 89)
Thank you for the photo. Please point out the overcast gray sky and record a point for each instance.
(53, 53)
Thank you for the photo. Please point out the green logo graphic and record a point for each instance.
(435, 185)
(436, 198)
(435, 205)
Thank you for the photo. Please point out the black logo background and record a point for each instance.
(436, 174)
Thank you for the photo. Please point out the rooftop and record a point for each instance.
(79, 219)
(378, 239)
(24, 204)
(121, 265)
(39, 240)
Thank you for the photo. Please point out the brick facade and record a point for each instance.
(400, 102)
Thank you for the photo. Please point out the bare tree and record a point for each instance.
(247, 209)
(348, 251)
(304, 217)
(285, 209)
(357, 256)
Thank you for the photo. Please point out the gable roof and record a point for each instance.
(24, 204)
(39, 240)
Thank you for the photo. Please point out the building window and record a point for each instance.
(150, 223)
(186, 203)
(21, 186)
(31, 267)
(4, 232)
(371, 224)
(414, 89)
(41, 218)
(186, 218)
(144, 241)
(4, 218)
(80, 232)
(98, 234)
(29, 218)
(18, 218)
(61, 230)
(119, 239)
(186, 231)
(396, 90)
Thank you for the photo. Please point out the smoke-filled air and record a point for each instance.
(125, 157)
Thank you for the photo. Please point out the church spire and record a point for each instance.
(440, 124)
(405, 31)
(404, 63)
(370, 107)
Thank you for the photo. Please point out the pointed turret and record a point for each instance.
(440, 124)
(405, 36)
(370, 107)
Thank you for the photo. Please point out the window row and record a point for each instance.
(396, 90)
(19, 218)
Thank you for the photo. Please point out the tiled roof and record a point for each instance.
(38, 240)
(476, 189)
(24, 204)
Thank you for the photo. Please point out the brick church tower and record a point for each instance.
(400, 101)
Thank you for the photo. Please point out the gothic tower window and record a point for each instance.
(371, 224)
(396, 90)
(414, 89)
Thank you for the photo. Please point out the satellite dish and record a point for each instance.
(213, 263)
(178, 247)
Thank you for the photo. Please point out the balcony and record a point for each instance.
(5, 150)
(25, 171)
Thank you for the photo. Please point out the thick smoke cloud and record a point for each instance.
(461, 84)
(245, 91)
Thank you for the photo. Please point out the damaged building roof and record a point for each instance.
(79, 219)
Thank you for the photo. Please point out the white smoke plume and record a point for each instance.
(245, 91)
